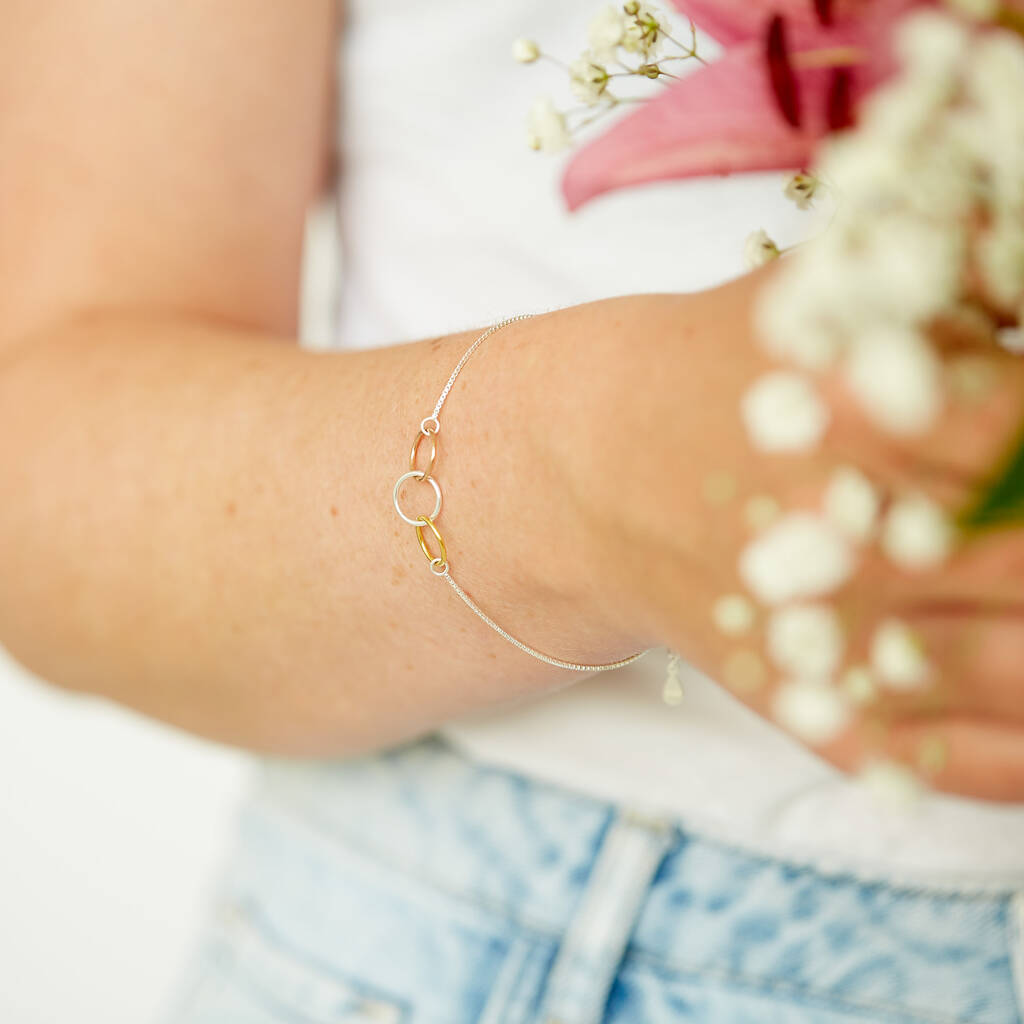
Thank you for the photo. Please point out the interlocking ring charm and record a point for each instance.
(433, 451)
(418, 474)
(438, 565)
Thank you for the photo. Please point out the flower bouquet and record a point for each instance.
(906, 117)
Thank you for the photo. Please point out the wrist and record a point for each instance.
(590, 432)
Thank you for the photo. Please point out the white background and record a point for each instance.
(111, 827)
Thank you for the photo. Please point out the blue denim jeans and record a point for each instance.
(417, 887)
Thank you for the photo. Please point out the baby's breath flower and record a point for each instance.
(783, 413)
(733, 614)
(1000, 255)
(806, 640)
(790, 324)
(897, 378)
(526, 51)
(917, 533)
(859, 685)
(744, 671)
(800, 556)
(898, 657)
(973, 378)
(813, 711)
(933, 754)
(890, 785)
(606, 33)
(720, 488)
(588, 79)
(801, 188)
(761, 511)
(645, 29)
(908, 268)
(759, 249)
(547, 127)
(852, 502)
(931, 46)
(994, 117)
(1012, 338)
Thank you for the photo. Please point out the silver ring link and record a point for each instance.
(417, 474)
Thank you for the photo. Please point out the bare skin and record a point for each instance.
(197, 518)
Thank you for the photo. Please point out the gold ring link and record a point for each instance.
(436, 563)
(429, 471)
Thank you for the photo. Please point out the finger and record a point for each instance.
(960, 450)
(967, 756)
(984, 575)
(978, 660)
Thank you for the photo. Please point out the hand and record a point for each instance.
(670, 435)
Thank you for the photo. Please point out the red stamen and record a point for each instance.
(840, 100)
(823, 9)
(780, 72)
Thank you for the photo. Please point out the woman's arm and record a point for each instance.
(197, 518)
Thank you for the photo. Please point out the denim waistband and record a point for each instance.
(426, 806)
(545, 859)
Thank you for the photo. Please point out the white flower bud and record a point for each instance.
(1000, 254)
(744, 671)
(931, 44)
(851, 502)
(759, 249)
(606, 32)
(917, 533)
(890, 785)
(801, 189)
(761, 511)
(645, 29)
(973, 378)
(788, 320)
(783, 413)
(588, 79)
(526, 51)
(733, 614)
(806, 641)
(1012, 338)
(547, 127)
(800, 556)
(814, 712)
(859, 685)
(897, 379)
(898, 657)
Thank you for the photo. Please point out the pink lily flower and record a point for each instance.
(791, 71)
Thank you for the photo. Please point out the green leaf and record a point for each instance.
(1001, 502)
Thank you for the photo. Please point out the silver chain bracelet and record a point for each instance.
(430, 426)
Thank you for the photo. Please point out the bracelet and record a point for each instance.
(430, 426)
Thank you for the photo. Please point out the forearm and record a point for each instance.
(198, 523)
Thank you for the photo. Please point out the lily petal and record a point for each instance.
(736, 21)
(725, 117)
(719, 119)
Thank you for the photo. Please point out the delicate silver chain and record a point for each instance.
(439, 565)
(469, 351)
(575, 666)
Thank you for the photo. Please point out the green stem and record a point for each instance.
(1001, 503)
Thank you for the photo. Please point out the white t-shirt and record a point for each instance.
(450, 222)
